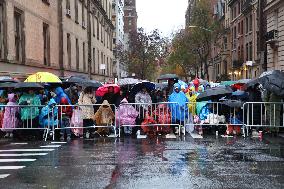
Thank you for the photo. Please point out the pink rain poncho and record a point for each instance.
(10, 120)
(126, 114)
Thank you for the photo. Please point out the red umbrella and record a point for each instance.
(104, 89)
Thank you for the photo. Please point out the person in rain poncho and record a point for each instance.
(48, 115)
(65, 112)
(104, 117)
(126, 115)
(143, 97)
(179, 107)
(11, 116)
(191, 96)
(88, 99)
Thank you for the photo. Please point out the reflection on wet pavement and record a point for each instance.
(156, 163)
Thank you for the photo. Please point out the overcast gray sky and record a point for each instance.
(165, 15)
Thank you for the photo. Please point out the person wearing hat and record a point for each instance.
(104, 117)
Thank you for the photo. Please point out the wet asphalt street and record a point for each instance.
(144, 163)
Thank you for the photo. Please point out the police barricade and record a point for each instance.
(198, 115)
(25, 117)
(263, 114)
(76, 118)
(152, 117)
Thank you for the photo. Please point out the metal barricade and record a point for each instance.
(263, 114)
(216, 114)
(157, 115)
(24, 117)
(78, 111)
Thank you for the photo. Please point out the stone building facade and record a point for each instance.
(130, 18)
(66, 37)
(274, 12)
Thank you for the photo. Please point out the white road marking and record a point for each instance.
(19, 143)
(23, 154)
(58, 142)
(15, 160)
(171, 136)
(11, 167)
(27, 150)
(50, 146)
(4, 176)
(194, 135)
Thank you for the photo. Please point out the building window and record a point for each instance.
(104, 62)
(18, 28)
(242, 27)
(247, 52)
(77, 55)
(108, 67)
(76, 12)
(94, 61)
(130, 22)
(46, 44)
(2, 44)
(98, 54)
(84, 58)
(83, 14)
(67, 4)
(69, 50)
(250, 23)
(98, 29)
(247, 24)
(276, 19)
(102, 31)
(250, 51)
(94, 26)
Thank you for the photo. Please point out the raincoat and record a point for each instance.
(179, 109)
(29, 112)
(87, 99)
(2, 102)
(10, 120)
(192, 103)
(48, 115)
(104, 117)
(143, 98)
(163, 116)
(126, 114)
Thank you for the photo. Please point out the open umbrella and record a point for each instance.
(273, 81)
(104, 89)
(213, 93)
(4, 79)
(43, 77)
(90, 83)
(7, 85)
(75, 79)
(233, 103)
(168, 76)
(127, 81)
(227, 83)
(28, 85)
(138, 87)
(161, 86)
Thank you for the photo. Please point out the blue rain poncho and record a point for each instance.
(48, 115)
(179, 108)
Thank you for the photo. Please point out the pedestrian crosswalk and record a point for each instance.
(15, 156)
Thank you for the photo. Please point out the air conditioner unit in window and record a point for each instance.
(68, 12)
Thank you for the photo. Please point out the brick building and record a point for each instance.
(130, 17)
(66, 37)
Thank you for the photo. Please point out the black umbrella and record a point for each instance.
(28, 85)
(214, 93)
(168, 76)
(273, 81)
(75, 79)
(90, 83)
(233, 103)
(7, 85)
(252, 83)
(138, 87)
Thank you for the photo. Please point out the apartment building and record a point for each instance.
(130, 18)
(66, 37)
(29, 37)
(274, 37)
(120, 69)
